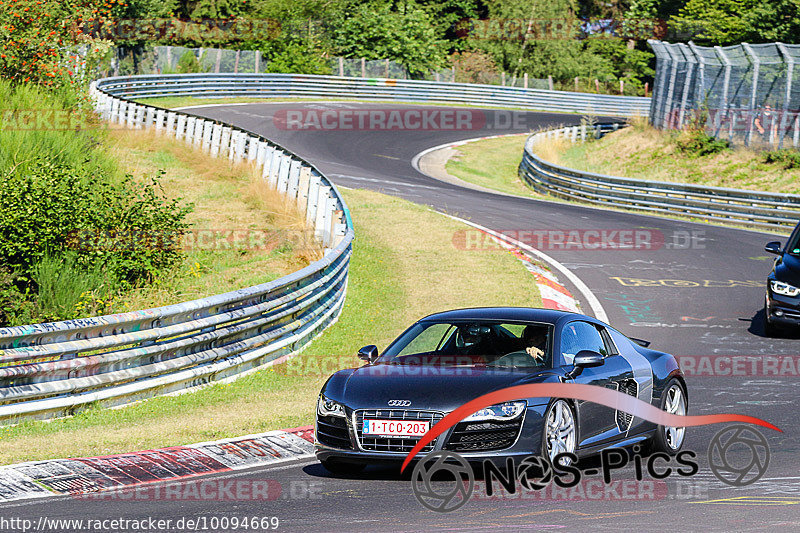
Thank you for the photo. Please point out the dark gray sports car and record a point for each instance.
(376, 413)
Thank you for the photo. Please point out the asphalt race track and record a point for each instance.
(700, 294)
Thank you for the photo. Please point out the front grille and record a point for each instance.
(624, 419)
(484, 436)
(332, 431)
(393, 444)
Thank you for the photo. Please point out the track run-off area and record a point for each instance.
(696, 291)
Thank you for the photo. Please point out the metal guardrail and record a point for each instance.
(312, 86)
(55, 369)
(751, 208)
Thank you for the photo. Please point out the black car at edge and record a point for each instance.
(782, 305)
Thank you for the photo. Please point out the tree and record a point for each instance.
(374, 31)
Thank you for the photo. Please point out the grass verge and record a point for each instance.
(644, 152)
(491, 163)
(233, 209)
(404, 265)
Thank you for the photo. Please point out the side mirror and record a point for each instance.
(584, 359)
(368, 353)
(773, 248)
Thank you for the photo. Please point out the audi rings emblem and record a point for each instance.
(399, 403)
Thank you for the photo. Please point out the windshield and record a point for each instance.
(473, 343)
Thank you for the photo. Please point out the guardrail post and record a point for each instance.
(269, 155)
(149, 117)
(252, 148)
(130, 110)
(573, 136)
(225, 140)
(339, 228)
(160, 114)
(234, 144)
(208, 128)
(583, 132)
(302, 188)
(262, 153)
(216, 139)
(321, 220)
(240, 144)
(180, 127)
(115, 111)
(175, 124)
(294, 179)
(199, 126)
(189, 135)
(274, 166)
(139, 119)
(313, 197)
(283, 173)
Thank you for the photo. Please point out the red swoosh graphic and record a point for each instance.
(590, 393)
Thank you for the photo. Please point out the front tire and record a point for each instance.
(770, 329)
(670, 440)
(560, 432)
(341, 468)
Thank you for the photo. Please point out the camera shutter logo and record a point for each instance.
(455, 481)
(739, 455)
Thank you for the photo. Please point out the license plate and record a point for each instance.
(396, 428)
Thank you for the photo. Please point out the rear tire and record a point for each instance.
(674, 400)
(340, 468)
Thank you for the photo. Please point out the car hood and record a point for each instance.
(788, 270)
(441, 388)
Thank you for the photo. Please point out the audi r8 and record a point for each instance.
(376, 413)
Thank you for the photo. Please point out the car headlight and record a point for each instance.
(501, 411)
(784, 288)
(327, 407)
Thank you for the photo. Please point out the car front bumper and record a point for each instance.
(528, 441)
(783, 310)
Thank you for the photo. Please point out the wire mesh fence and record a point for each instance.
(747, 93)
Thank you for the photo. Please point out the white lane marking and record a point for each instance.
(591, 299)
(377, 180)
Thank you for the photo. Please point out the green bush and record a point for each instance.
(65, 288)
(787, 158)
(188, 63)
(73, 228)
(698, 143)
(51, 208)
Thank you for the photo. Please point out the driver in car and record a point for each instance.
(534, 339)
